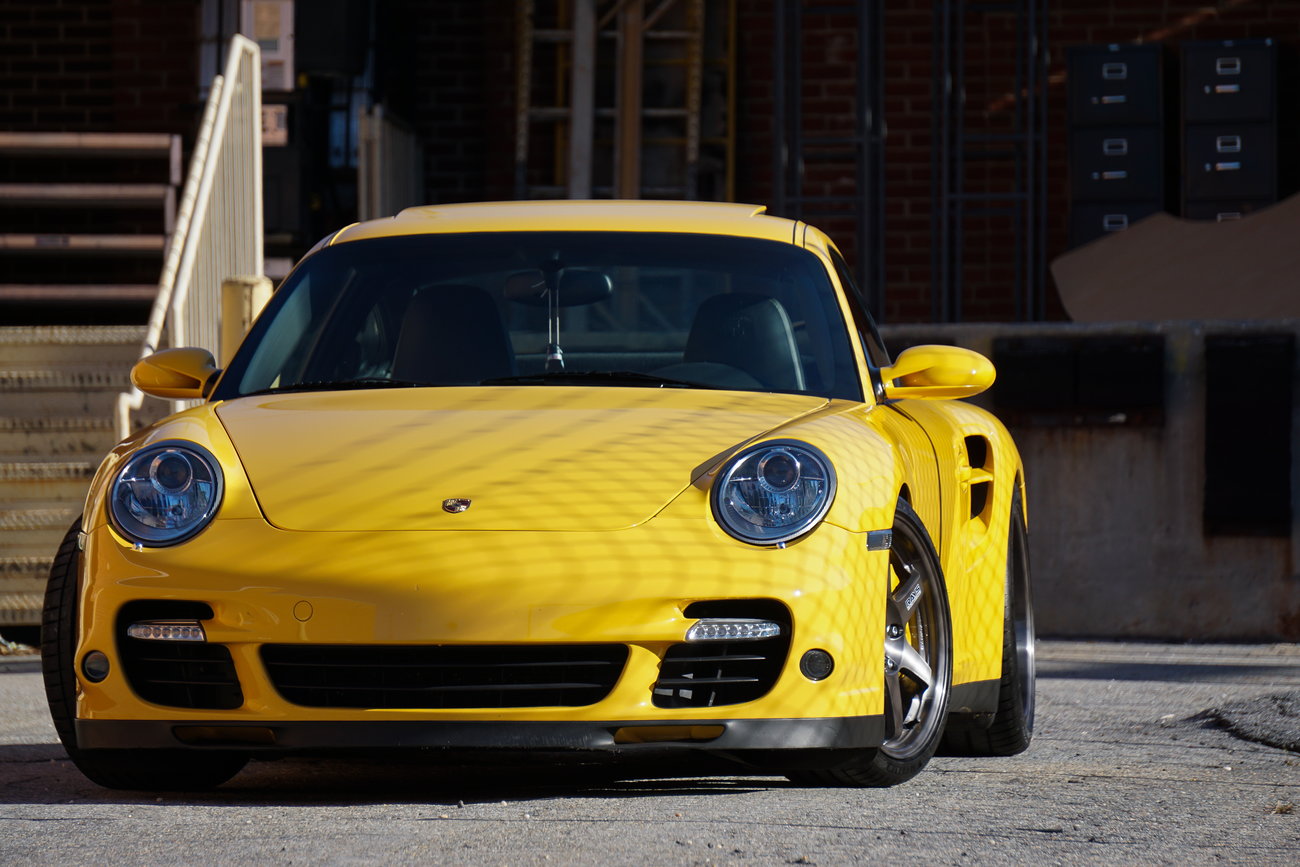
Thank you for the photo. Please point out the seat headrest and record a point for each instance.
(751, 332)
(452, 335)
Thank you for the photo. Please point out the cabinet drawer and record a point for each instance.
(1224, 81)
(1224, 211)
(1230, 161)
(1092, 220)
(1117, 163)
(1112, 84)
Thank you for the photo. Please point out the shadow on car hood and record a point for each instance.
(527, 458)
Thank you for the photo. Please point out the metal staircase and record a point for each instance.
(58, 385)
(85, 221)
(65, 398)
(663, 130)
(84, 205)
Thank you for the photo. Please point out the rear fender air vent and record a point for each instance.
(439, 677)
(176, 673)
(725, 672)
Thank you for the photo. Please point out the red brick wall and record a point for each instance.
(132, 65)
(828, 95)
(464, 101)
(156, 65)
(88, 65)
(989, 268)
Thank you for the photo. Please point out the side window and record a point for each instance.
(282, 352)
(871, 342)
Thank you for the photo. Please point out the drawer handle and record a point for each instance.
(1233, 166)
(1114, 222)
(1228, 144)
(1117, 99)
(1114, 147)
(1224, 88)
(1227, 65)
(1114, 71)
(1109, 176)
(1227, 216)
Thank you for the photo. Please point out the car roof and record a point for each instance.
(566, 215)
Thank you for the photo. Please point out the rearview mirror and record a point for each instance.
(578, 286)
(937, 373)
(185, 373)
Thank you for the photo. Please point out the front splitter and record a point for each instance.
(625, 737)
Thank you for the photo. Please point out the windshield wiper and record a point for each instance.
(341, 385)
(595, 377)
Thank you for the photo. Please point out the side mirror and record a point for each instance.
(178, 374)
(937, 373)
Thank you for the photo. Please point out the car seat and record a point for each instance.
(452, 335)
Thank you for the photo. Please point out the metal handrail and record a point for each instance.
(219, 223)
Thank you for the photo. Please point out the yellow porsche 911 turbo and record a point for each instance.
(581, 480)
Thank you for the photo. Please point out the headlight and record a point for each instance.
(774, 492)
(166, 493)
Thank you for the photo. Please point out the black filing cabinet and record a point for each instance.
(1230, 127)
(1118, 163)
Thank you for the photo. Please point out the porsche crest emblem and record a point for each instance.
(455, 505)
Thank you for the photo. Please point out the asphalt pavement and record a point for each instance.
(1143, 754)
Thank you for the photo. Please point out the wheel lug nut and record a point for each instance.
(894, 631)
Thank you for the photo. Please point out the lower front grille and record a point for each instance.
(440, 677)
(709, 674)
(177, 673)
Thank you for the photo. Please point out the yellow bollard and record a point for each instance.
(242, 298)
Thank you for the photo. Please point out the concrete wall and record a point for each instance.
(1118, 541)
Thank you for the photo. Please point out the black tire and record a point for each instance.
(918, 666)
(1012, 726)
(143, 770)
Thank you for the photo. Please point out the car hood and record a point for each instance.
(527, 458)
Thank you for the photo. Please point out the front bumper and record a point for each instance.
(629, 587)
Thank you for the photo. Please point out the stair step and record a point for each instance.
(21, 609)
(38, 345)
(24, 481)
(96, 245)
(39, 516)
(43, 436)
(61, 403)
(96, 144)
(79, 195)
(34, 541)
(129, 144)
(22, 588)
(101, 293)
(64, 378)
(25, 574)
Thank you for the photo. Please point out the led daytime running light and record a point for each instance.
(732, 629)
(167, 630)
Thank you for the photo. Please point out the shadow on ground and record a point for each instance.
(42, 773)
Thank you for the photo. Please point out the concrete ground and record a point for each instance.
(1131, 763)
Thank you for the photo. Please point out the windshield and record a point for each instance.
(552, 308)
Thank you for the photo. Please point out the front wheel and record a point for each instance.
(918, 665)
(145, 770)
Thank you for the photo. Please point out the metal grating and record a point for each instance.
(177, 673)
(1015, 152)
(731, 672)
(444, 676)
